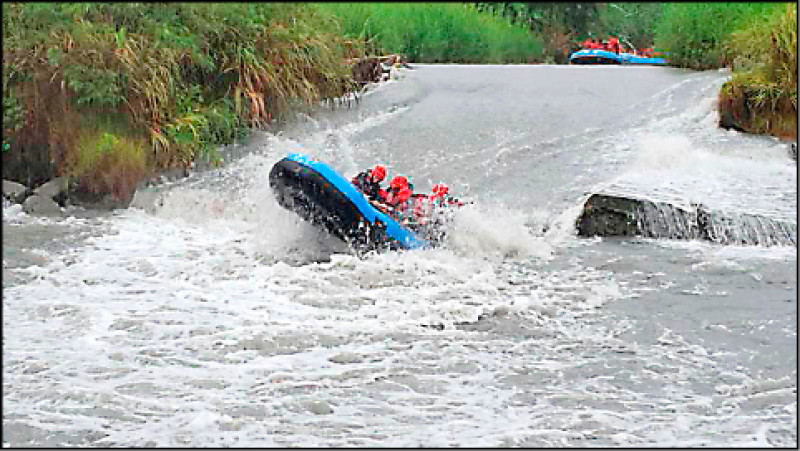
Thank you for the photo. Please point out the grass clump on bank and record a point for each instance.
(694, 34)
(178, 78)
(437, 32)
(761, 96)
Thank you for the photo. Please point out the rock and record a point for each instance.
(147, 199)
(319, 407)
(606, 215)
(55, 189)
(792, 154)
(173, 174)
(346, 357)
(98, 201)
(15, 192)
(367, 70)
(41, 205)
(734, 113)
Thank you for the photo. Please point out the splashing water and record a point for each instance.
(207, 315)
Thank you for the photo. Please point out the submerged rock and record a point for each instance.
(98, 201)
(318, 407)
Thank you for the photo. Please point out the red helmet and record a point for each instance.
(379, 172)
(440, 189)
(403, 195)
(398, 182)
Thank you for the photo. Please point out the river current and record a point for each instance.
(207, 315)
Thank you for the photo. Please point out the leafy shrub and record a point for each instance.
(764, 55)
(437, 32)
(185, 77)
(109, 158)
(694, 34)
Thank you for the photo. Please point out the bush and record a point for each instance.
(436, 32)
(764, 55)
(694, 34)
(185, 76)
(634, 22)
(108, 158)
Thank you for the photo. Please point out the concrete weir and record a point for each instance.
(608, 215)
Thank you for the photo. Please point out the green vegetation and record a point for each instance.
(179, 78)
(762, 93)
(694, 34)
(436, 32)
(564, 25)
(107, 93)
(758, 40)
(631, 22)
(560, 25)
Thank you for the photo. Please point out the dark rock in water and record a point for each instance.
(98, 201)
(793, 151)
(734, 113)
(41, 205)
(15, 192)
(606, 215)
(367, 70)
(55, 189)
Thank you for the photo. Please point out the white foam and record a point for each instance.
(216, 318)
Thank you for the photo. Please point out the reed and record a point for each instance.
(694, 34)
(110, 157)
(764, 82)
(437, 32)
(186, 76)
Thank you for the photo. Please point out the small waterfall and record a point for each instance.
(746, 229)
(663, 220)
(607, 215)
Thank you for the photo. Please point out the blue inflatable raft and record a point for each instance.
(318, 194)
(597, 56)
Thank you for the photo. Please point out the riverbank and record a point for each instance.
(761, 97)
(56, 196)
(108, 95)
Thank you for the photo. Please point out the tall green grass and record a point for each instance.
(634, 22)
(694, 34)
(764, 55)
(186, 77)
(437, 32)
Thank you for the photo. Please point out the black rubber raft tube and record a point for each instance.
(303, 190)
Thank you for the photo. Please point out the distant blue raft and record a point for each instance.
(318, 194)
(597, 56)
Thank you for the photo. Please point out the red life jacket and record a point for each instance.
(396, 197)
(421, 208)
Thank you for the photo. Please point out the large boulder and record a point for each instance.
(15, 192)
(41, 205)
(55, 189)
(605, 215)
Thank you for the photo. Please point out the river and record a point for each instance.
(207, 315)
